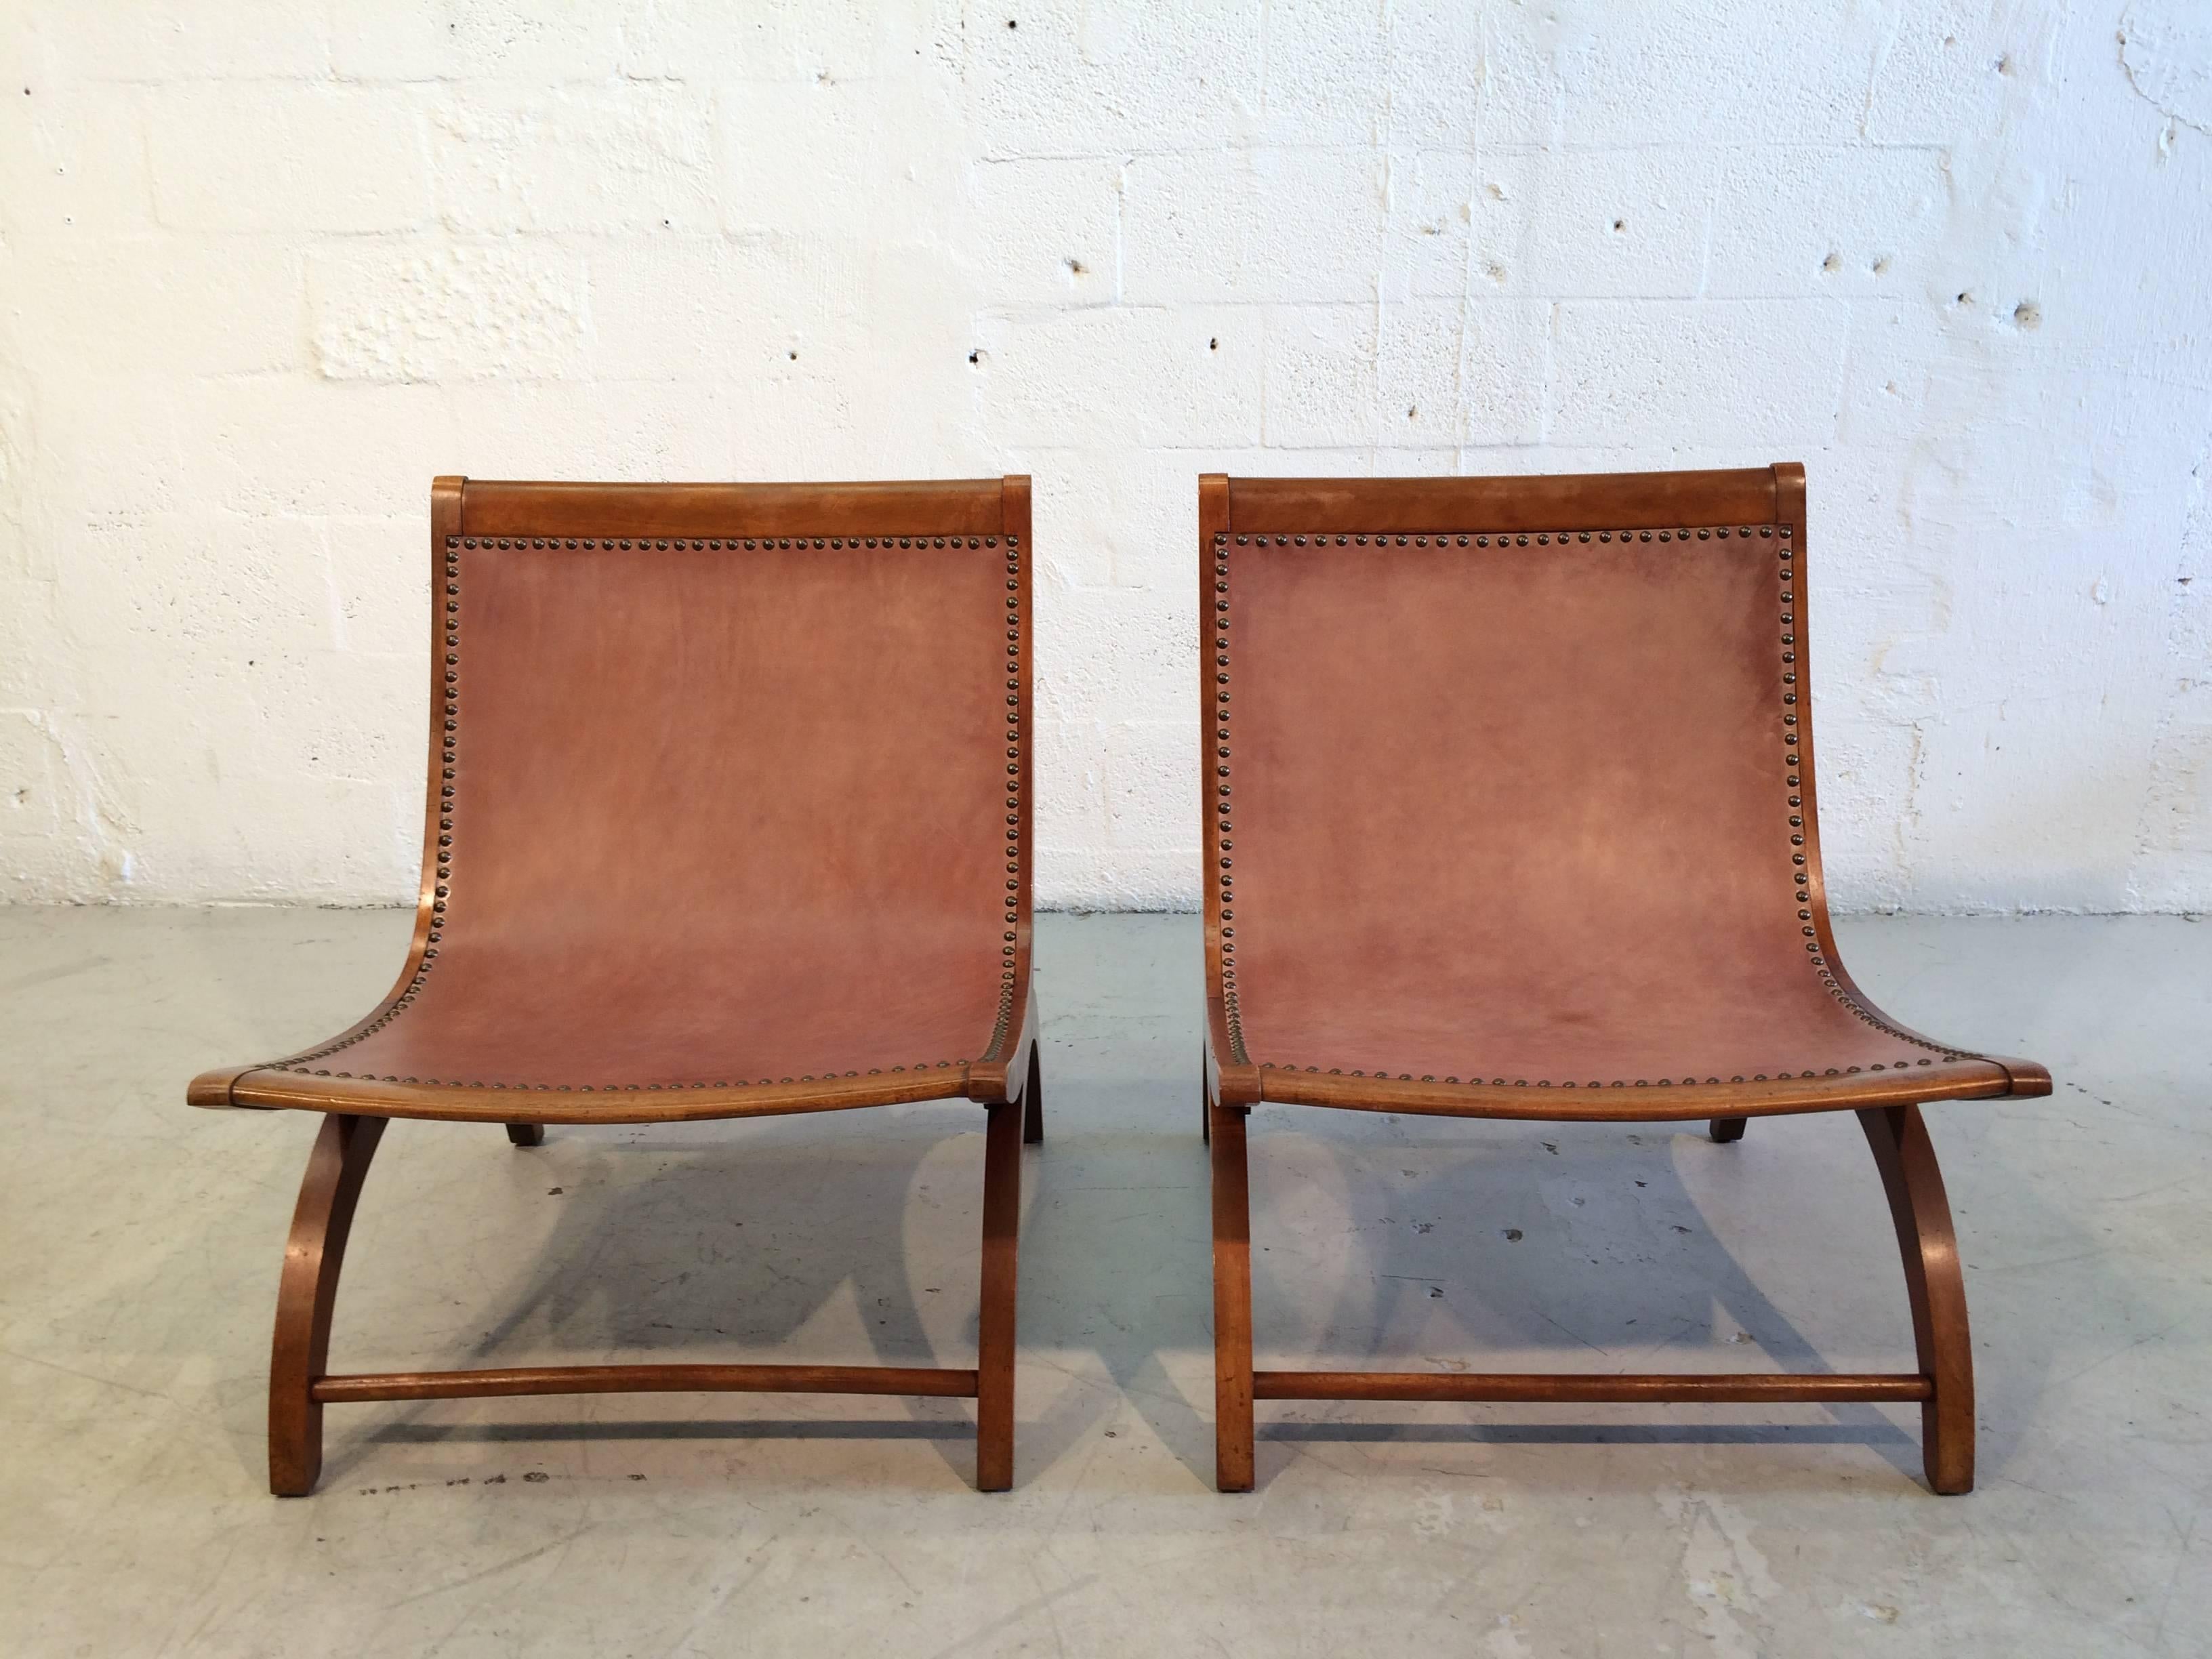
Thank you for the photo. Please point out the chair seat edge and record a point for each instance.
(1972, 1080)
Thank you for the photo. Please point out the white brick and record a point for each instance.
(1766, 374)
(634, 432)
(1069, 775)
(1573, 223)
(273, 157)
(161, 306)
(864, 175)
(1459, 76)
(2172, 865)
(30, 676)
(378, 574)
(72, 160)
(1321, 376)
(1138, 658)
(16, 439)
(639, 158)
(788, 39)
(1429, 218)
(256, 809)
(1420, 379)
(1896, 343)
(1323, 65)
(220, 584)
(1394, 379)
(1945, 73)
(1123, 374)
(1152, 782)
(102, 446)
(1086, 877)
(718, 308)
(1504, 371)
(1129, 520)
(1340, 461)
(44, 851)
(919, 300)
(1829, 220)
(159, 40)
(383, 313)
(522, 41)
(1698, 75)
(1046, 232)
(1419, 375)
(270, 444)
(1078, 79)
(1297, 225)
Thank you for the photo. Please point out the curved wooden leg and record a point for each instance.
(994, 1362)
(526, 1135)
(1232, 1303)
(1727, 1128)
(1936, 1286)
(1033, 1097)
(306, 1295)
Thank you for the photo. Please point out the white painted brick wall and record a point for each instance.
(267, 266)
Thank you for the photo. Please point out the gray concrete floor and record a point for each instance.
(142, 1239)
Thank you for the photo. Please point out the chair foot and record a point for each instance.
(1033, 1099)
(1232, 1303)
(307, 1293)
(526, 1135)
(1727, 1128)
(1936, 1285)
(994, 1363)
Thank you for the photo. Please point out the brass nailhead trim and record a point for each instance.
(449, 724)
(1792, 725)
(1787, 570)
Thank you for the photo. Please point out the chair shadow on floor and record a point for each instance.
(1545, 1247)
(737, 1237)
(1561, 1247)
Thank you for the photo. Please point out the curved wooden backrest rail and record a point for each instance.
(1508, 812)
(729, 813)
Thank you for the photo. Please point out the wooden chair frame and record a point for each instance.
(1887, 1105)
(1005, 1080)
